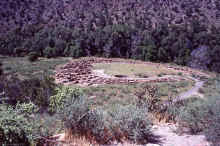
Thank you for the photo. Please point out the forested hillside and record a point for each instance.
(155, 30)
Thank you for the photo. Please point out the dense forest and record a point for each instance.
(155, 30)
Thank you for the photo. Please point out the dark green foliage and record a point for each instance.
(17, 126)
(1, 70)
(73, 50)
(37, 90)
(215, 64)
(58, 101)
(33, 56)
(50, 52)
(93, 28)
(10, 41)
(12, 127)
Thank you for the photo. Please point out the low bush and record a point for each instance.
(37, 90)
(63, 93)
(13, 127)
(17, 127)
(180, 73)
(50, 52)
(98, 124)
(73, 50)
(213, 129)
(195, 115)
(149, 96)
(131, 122)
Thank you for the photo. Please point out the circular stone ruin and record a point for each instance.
(80, 71)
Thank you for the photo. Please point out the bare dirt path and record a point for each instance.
(193, 91)
(167, 131)
(170, 138)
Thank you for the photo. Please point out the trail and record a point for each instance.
(170, 138)
(167, 131)
(191, 92)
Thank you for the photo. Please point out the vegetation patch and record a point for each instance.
(37, 90)
(114, 123)
(23, 68)
(125, 94)
(17, 126)
(106, 113)
(172, 90)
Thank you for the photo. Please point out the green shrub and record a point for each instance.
(180, 73)
(33, 56)
(26, 108)
(17, 126)
(73, 50)
(148, 96)
(71, 108)
(195, 115)
(37, 90)
(104, 125)
(63, 93)
(13, 127)
(50, 52)
(130, 122)
(213, 129)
